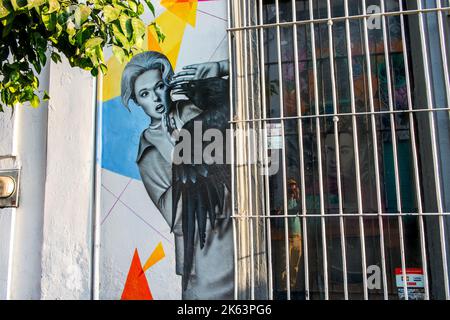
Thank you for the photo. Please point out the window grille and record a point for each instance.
(341, 148)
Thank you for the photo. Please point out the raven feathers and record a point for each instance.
(201, 187)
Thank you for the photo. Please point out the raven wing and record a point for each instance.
(201, 187)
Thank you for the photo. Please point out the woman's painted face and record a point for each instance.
(346, 155)
(152, 94)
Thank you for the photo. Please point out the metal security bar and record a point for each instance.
(341, 144)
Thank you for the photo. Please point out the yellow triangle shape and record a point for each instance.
(173, 27)
(157, 255)
(186, 10)
(111, 84)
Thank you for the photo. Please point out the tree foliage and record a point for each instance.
(34, 30)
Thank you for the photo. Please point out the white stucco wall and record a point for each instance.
(6, 148)
(5, 226)
(51, 229)
(30, 137)
(66, 250)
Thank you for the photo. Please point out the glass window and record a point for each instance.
(360, 198)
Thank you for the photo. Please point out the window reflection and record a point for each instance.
(375, 150)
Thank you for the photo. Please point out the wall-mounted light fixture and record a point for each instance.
(9, 188)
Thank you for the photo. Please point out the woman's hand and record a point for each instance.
(168, 131)
(180, 81)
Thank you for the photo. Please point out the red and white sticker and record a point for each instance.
(414, 277)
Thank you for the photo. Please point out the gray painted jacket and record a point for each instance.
(212, 275)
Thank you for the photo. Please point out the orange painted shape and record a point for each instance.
(136, 286)
(173, 27)
(157, 255)
(153, 44)
(186, 10)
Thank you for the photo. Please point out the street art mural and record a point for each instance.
(156, 111)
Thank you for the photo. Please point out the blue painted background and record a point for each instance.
(121, 130)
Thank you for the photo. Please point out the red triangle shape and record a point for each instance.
(136, 286)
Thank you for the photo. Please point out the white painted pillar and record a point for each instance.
(46, 243)
(67, 241)
(30, 141)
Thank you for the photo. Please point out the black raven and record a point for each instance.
(201, 186)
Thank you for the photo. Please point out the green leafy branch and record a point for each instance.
(34, 30)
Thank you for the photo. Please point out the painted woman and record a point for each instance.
(148, 80)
